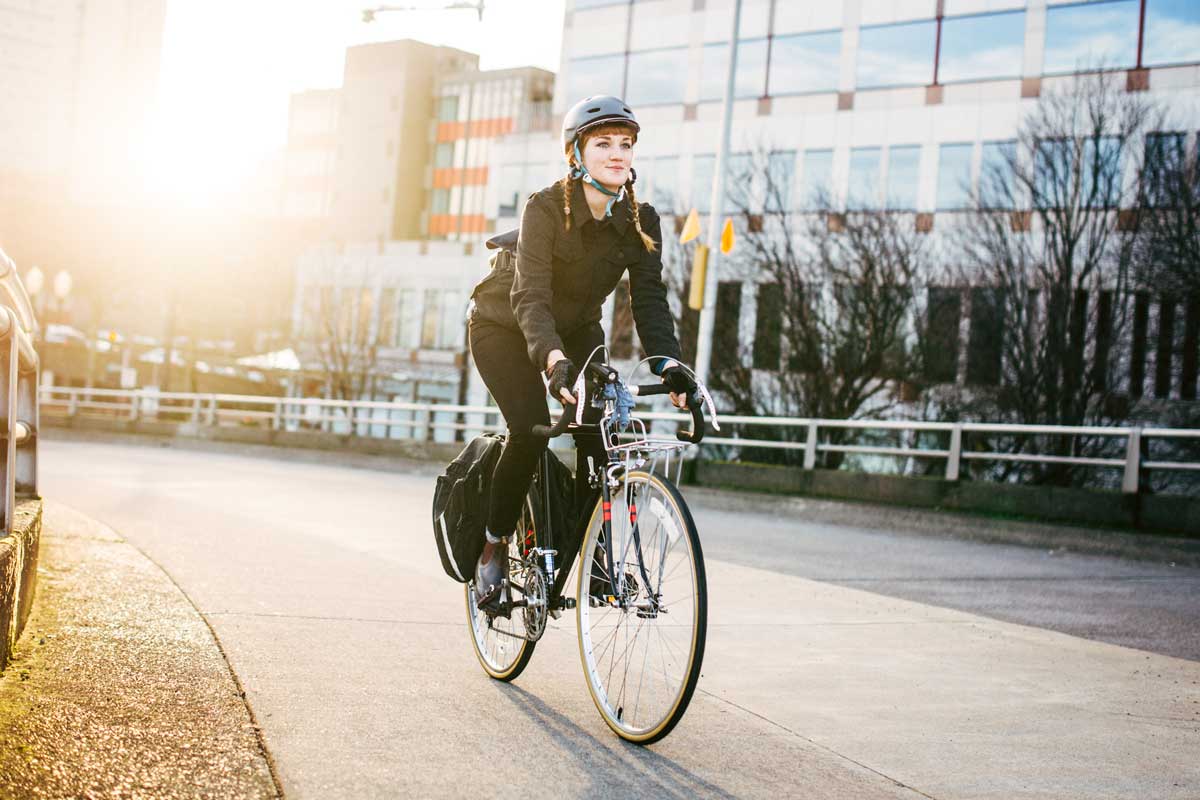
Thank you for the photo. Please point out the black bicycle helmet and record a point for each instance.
(592, 111)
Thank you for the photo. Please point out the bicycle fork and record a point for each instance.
(616, 567)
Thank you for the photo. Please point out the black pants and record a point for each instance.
(516, 385)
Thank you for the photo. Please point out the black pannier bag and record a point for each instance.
(460, 506)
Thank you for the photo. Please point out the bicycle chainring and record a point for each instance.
(537, 601)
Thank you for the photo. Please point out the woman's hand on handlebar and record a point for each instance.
(681, 384)
(562, 374)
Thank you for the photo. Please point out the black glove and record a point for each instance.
(562, 376)
(679, 382)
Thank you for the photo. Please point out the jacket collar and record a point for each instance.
(580, 213)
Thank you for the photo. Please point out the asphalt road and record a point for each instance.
(324, 591)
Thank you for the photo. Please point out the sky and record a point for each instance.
(229, 66)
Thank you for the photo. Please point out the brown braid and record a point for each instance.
(566, 184)
(647, 240)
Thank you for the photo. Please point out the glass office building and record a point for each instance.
(894, 105)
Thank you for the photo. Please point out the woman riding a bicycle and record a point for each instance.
(578, 238)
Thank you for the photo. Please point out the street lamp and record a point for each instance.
(34, 280)
(62, 285)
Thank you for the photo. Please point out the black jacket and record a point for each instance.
(561, 278)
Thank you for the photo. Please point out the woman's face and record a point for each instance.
(608, 158)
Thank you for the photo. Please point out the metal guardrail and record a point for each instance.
(18, 391)
(277, 412)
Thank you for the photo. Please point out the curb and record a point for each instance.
(18, 574)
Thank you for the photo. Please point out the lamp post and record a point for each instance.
(62, 288)
(35, 281)
(704, 335)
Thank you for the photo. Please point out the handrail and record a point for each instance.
(18, 392)
(278, 412)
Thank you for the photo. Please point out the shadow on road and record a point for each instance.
(631, 770)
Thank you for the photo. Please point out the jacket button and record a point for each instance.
(620, 254)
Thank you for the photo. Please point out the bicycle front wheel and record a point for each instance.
(642, 621)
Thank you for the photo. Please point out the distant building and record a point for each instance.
(77, 83)
(311, 155)
(471, 187)
(383, 143)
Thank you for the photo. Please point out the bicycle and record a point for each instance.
(641, 604)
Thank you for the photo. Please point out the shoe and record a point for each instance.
(489, 577)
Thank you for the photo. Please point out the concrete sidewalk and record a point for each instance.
(117, 687)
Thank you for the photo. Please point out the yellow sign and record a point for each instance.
(699, 272)
(691, 228)
(727, 237)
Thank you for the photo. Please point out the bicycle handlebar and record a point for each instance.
(695, 406)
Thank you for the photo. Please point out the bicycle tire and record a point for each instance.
(610, 695)
(502, 657)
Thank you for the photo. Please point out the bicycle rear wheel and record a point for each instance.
(502, 651)
(641, 636)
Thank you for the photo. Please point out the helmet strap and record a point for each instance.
(580, 172)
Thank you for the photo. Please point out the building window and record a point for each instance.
(941, 334)
(805, 63)
(509, 189)
(863, 191)
(1091, 35)
(1172, 32)
(1102, 171)
(452, 322)
(664, 185)
(1166, 347)
(768, 327)
(429, 320)
(406, 320)
(440, 202)
(816, 179)
(621, 341)
(443, 155)
(725, 353)
(980, 47)
(896, 55)
(659, 77)
(904, 173)
(702, 179)
(1137, 356)
(781, 175)
(448, 109)
(387, 318)
(1164, 155)
(1191, 349)
(598, 75)
(997, 181)
(984, 347)
(954, 176)
(750, 78)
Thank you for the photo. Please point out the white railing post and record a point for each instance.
(954, 460)
(210, 416)
(1133, 467)
(72, 403)
(810, 447)
(277, 419)
(135, 400)
(196, 410)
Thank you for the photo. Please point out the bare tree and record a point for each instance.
(337, 329)
(1054, 256)
(834, 333)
